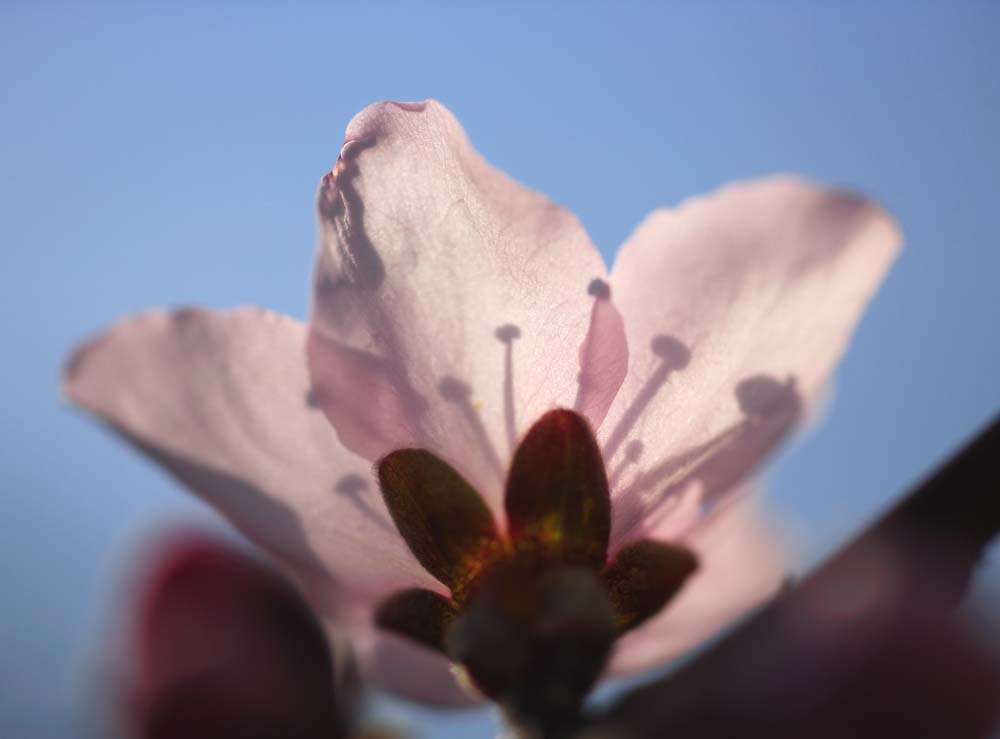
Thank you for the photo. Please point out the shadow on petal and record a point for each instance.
(367, 399)
(770, 409)
(603, 357)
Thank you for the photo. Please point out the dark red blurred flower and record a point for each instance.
(223, 647)
(869, 646)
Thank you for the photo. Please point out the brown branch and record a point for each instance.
(866, 646)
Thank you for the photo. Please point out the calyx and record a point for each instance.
(533, 611)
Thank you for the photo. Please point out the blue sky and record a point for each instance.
(165, 154)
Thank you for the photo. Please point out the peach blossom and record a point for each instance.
(452, 308)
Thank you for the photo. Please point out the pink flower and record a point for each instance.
(452, 308)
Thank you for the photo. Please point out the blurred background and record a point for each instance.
(167, 154)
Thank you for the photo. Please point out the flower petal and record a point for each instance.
(741, 563)
(220, 400)
(394, 660)
(466, 294)
(750, 295)
(557, 491)
(603, 357)
(445, 523)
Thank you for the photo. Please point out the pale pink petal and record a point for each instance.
(401, 667)
(603, 357)
(221, 399)
(742, 563)
(373, 393)
(737, 306)
(465, 293)
(393, 663)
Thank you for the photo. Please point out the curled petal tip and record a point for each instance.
(376, 118)
(414, 107)
(69, 388)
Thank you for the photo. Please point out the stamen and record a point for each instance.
(683, 508)
(633, 452)
(603, 357)
(458, 392)
(673, 356)
(674, 468)
(652, 487)
(507, 334)
(353, 488)
(770, 408)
